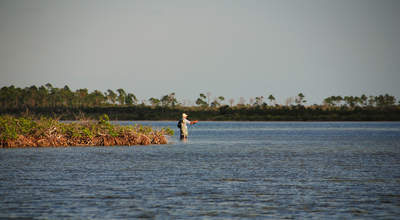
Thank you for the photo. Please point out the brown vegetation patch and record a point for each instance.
(101, 140)
(25, 132)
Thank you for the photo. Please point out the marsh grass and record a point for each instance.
(46, 132)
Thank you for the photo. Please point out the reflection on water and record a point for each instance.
(225, 170)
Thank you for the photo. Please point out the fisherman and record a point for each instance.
(182, 124)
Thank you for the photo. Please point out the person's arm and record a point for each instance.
(190, 122)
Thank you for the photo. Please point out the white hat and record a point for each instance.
(184, 115)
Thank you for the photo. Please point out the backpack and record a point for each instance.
(179, 123)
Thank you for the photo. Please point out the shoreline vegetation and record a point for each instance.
(224, 113)
(65, 104)
(48, 132)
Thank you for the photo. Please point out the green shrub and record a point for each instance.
(8, 128)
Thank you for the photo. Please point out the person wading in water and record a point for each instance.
(182, 125)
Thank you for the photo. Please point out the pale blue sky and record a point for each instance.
(235, 49)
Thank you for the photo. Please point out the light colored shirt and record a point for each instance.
(184, 129)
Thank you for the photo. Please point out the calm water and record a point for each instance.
(227, 170)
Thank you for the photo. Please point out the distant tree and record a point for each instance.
(42, 96)
(328, 101)
(271, 98)
(67, 96)
(371, 101)
(390, 100)
(364, 100)
(333, 100)
(385, 100)
(111, 96)
(15, 96)
(172, 99)
(55, 97)
(81, 95)
(49, 87)
(299, 100)
(24, 97)
(259, 100)
(201, 101)
(96, 98)
(350, 101)
(357, 100)
(169, 100)
(379, 100)
(30, 96)
(164, 100)
(51, 93)
(215, 103)
(154, 101)
(130, 99)
(121, 96)
(3, 97)
(221, 99)
(338, 100)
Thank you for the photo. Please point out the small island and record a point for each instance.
(49, 132)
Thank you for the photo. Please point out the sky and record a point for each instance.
(243, 48)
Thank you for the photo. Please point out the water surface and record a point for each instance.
(226, 170)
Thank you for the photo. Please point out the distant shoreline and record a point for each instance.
(224, 113)
(65, 104)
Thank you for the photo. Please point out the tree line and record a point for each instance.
(48, 100)
(49, 96)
